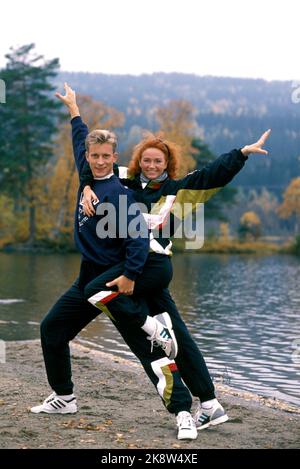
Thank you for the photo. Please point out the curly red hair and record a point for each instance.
(170, 149)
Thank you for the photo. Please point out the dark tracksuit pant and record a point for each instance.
(157, 274)
(151, 286)
(71, 313)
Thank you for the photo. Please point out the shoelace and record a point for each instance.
(185, 421)
(50, 398)
(163, 344)
(163, 341)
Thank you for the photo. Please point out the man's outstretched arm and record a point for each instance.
(79, 129)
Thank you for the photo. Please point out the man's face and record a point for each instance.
(101, 159)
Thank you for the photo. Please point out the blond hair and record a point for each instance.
(101, 136)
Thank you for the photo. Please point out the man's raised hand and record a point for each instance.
(69, 99)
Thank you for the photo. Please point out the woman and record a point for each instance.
(151, 175)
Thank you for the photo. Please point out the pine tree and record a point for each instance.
(28, 124)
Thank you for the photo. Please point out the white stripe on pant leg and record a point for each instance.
(100, 296)
(161, 370)
(100, 299)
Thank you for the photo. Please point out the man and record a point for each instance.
(71, 313)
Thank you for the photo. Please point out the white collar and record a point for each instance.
(104, 177)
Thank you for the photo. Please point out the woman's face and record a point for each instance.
(153, 163)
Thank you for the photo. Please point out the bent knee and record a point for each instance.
(54, 334)
(45, 326)
(101, 294)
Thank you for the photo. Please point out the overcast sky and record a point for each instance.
(237, 38)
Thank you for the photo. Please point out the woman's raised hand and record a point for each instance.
(257, 146)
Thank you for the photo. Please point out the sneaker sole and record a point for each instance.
(53, 411)
(187, 437)
(217, 421)
(168, 323)
(40, 409)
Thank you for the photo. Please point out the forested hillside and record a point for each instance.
(229, 112)
(205, 116)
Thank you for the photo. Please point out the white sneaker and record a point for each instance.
(56, 405)
(164, 336)
(186, 426)
(206, 417)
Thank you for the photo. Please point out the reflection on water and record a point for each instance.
(243, 312)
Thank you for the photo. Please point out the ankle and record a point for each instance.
(66, 397)
(209, 404)
(150, 325)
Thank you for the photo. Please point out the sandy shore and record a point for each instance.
(119, 408)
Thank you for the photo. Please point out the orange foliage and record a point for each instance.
(98, 115)
(250, 219)
(291, 200)
(177, 124)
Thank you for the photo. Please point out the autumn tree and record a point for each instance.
(250, 225)
(291, 203)
(177, 123)
(224, 232)
(6, 220)
(28, 123)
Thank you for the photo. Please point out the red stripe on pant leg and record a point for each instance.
(109, 297)
(173, 367)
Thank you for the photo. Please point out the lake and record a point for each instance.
(243, 311)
